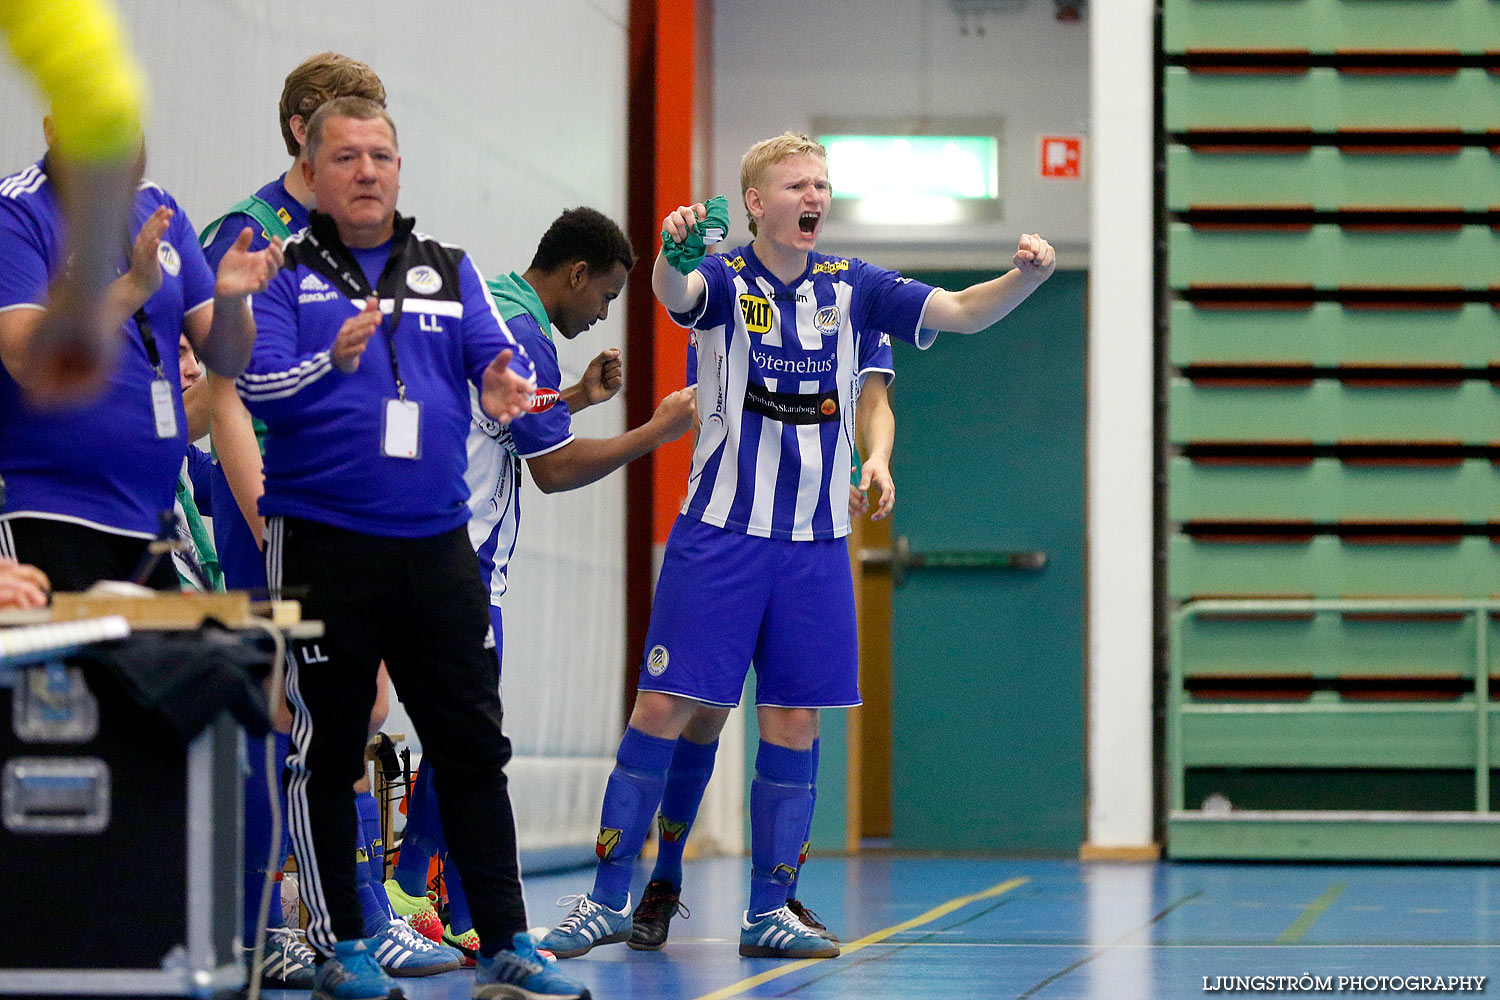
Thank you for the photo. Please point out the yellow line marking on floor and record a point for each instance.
(1310, 915)
(865, 942)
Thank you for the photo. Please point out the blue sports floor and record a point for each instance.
(984, 929)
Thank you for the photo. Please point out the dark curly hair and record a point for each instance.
(583, 234)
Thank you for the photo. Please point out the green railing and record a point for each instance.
(1330, 833)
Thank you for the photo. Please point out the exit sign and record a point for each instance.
(1061, 157)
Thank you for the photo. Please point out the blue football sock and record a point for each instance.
(371, 836)
(459, 919)
(791, 889)
(630, 800)
(423, 837)
(374, 907)
(692, 766)
(780, 810)
(373, 901)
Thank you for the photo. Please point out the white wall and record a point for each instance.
(508, 112)
(778, 64)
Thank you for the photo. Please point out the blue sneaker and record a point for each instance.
(288, 963)
(522, 974)
(590, 923)
(352, 974)
(779, 934)
(401, 951)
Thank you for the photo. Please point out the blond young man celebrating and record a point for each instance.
(756, 567)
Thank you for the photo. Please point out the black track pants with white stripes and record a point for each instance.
(418, 604)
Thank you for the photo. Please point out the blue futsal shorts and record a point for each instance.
(726, 598)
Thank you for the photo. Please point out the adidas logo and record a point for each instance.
(313, 283)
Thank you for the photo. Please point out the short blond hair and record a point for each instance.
(767, 153)
(320, 79)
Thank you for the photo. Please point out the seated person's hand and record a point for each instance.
(22, 585)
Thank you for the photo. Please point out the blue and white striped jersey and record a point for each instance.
(496, 450)
(779, 368)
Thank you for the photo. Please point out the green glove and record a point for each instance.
(686, 256)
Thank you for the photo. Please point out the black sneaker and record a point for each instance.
(810, 920)
(659, 904)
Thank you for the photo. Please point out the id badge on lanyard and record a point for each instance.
(162, 408)
(401, 418)
(401, 435)
(163, 401)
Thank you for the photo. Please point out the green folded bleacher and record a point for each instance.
(1330, 283)
(1322, 99)
(1330, 334)
(1466, 26)
(1330, 256)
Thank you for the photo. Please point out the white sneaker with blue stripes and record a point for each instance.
(779, 934)
(589, 924)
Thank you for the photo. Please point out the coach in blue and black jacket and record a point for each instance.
(367, 411)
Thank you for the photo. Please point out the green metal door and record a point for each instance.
(987, 636)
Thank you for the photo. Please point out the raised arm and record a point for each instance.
(77, 54)
(23, 329)
(604, 377)
(225, 340)
(980, 306)
(677, 291)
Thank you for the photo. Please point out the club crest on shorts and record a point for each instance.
(607, 842)
(423, 280)
(827, 320)
(657, 660)
(670, 832)
(167, 254)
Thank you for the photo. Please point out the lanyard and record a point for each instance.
(143, 327)
(390, 343)
(143, 324)
(355, 286)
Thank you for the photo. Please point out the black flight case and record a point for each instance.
(119, 847)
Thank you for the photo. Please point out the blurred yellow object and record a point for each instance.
(76, 51)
